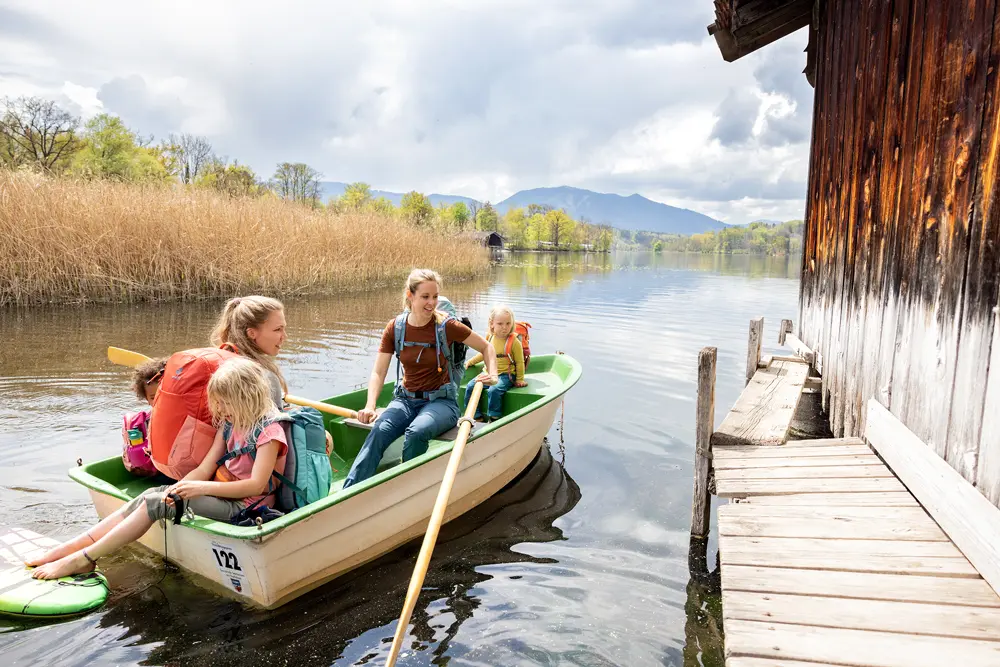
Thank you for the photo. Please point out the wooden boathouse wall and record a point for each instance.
(899, 288)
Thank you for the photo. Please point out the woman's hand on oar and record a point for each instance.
(434, 526)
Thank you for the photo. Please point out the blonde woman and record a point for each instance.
(425, 401)
(254, 327)
(510, 365)
(238, 394)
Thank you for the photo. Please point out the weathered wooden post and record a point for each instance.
(704, 426)
(786, 328)
(753, 346)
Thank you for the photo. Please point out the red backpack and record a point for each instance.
(181, 430)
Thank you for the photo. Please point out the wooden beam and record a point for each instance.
(745, 488)
(704, 426)
(727, 463)
(785, 328)
(869, 499)
(864, 585)
(854, 647)
(805, 472)
(968, 518)
(800, 348)
(753, 346)
(878, 615)
(843, 528)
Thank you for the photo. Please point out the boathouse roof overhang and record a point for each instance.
(743, 26)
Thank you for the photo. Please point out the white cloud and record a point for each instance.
(480, 98)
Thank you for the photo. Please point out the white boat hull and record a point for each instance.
(276, 568)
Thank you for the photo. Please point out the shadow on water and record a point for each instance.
(350, 619)
(541, 574)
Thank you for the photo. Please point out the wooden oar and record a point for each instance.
(117, 355)
(437, 518)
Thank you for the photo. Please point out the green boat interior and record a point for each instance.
(548, 378)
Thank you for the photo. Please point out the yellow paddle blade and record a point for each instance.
(117, 355)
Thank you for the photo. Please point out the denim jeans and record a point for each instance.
(494, 396)
(417, 419)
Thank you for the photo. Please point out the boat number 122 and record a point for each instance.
(227, 559)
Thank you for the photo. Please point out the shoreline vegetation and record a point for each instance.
(72, 241)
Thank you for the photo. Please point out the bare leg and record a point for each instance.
(81, 541)
(125, 532)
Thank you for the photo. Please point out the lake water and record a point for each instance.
(581, 561)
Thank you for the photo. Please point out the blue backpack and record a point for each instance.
(454, 354)
(308, 474)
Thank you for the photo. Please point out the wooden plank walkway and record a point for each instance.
(827, 559)
(763, 412)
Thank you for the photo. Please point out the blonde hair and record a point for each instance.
(238, 393)
(498, 310)
(242, 313)
(413, 281)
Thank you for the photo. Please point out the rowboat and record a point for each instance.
(272, 563)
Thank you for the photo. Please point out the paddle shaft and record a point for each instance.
(117, 355)
(437, 518)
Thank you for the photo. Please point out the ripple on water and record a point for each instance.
(582, 561)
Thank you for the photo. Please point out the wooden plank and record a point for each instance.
(878, 615)
(966, 516)
(863, 585)
(988, 471)
(776, 487)
(753, 346)
(704, 425)
(785, 328)
(855, 647)
(912, 514)
(727, 463)
(763, 412)
(840, 528)
(796, 448)
(805, 472)
(798, 347)
(751, 661)
(869, 499)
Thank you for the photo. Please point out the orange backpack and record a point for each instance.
(521, 331)
(181, 431)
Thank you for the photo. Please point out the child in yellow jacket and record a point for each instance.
(510, 366)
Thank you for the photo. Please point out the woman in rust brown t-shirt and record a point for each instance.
(425, 401)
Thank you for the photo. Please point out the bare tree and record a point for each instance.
(297, 182)
(36, 131)
(192, 154)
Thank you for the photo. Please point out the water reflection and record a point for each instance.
(591, 570)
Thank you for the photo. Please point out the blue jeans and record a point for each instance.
(494, 396)
(417, 419)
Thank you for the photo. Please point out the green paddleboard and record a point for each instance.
(22, 596)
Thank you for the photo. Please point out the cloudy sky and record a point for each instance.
(476, 98)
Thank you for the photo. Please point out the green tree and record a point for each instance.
(356, 197)
(658, 246)
(236, 180)
(111, 150)
(561, 227)
(382, 206)
(487, 219)
(297, 182)
(604, 240)
(515, 228)
(459, 214)
(416, 208)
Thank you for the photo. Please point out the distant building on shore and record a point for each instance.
(486, 239)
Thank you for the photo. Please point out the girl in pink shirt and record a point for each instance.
(240, 400)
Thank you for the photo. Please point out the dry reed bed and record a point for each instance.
(69, 241)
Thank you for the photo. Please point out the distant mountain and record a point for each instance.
(335, 189)
(634, 212)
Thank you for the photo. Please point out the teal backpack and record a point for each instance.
(308, 474)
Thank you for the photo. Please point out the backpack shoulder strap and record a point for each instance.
(442, 337)
(508, 348)
(399, 333)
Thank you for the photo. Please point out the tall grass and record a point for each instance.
(70, 241)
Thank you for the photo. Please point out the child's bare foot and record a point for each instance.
(61, 551)
(75, 563)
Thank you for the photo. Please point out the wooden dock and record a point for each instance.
(828, 555)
